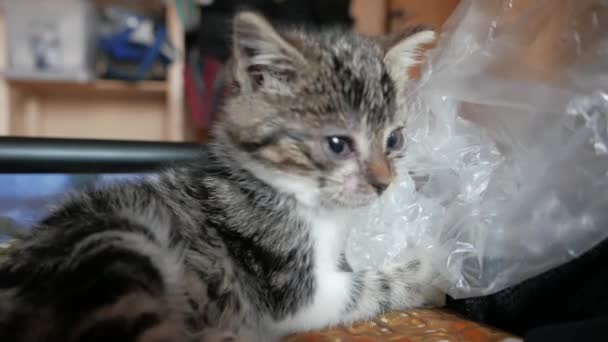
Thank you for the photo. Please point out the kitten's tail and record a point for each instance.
(135, 317)
(112, 286)
(108, 279)
(105, 286)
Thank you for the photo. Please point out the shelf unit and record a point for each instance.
(155, 110)
(101, 109)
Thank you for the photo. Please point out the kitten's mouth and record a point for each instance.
(353, 202)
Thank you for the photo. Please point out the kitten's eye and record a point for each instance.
(395, 140)
(338, 145)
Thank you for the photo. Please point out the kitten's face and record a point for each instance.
(315, 115)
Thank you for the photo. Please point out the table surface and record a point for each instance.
(432, 325)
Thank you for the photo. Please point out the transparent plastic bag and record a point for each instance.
(506, 172)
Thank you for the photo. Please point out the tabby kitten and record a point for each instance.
(250, 239)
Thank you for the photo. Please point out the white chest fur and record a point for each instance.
(328, 233)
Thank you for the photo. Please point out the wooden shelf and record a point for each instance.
(110, 86)
(100, 109)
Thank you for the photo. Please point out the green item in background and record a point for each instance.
(5, 250)
(8, 228)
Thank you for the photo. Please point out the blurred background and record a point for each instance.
(147, 69)
(133, 70)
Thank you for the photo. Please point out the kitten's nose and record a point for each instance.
(379, 186)
(379, 174)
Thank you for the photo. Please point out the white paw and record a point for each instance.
(415, 266)
(433, 297)
(419, 263)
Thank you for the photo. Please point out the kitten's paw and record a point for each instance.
(416, 271)
(417, 265)
(433, 297)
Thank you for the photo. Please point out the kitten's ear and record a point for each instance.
(263, 59)
(402, 51)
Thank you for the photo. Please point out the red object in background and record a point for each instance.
(200, 88)
(194, 97)
(211, 71)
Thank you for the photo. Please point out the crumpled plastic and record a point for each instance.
(505, 175)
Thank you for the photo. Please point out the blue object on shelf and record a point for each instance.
(122, 46)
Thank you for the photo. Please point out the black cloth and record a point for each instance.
(213, 35)
(593, 330)
(575, 291)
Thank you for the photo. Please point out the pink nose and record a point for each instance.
(379, 174)
(379, 187)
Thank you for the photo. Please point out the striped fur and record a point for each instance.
(245, 244)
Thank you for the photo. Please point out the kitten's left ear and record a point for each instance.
(403, 51)
(265, 60)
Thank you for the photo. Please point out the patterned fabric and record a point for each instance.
(423, 325)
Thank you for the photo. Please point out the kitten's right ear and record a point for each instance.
(403, 51)
(263, 59)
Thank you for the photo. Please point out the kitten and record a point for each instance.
(250, 239)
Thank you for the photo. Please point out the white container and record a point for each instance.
(51, 39)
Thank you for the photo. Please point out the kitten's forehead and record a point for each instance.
(352, 82)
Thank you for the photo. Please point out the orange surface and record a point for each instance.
(422, 325)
